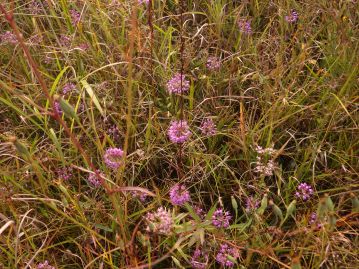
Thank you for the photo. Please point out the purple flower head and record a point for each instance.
(68, 87)
(45, 265)
(113, 157)
(65, 40)
(304, 191)
(263, 151)
(251, 204)
(208, 127)
(36, 6)
(140, 195)
(75, 17)
(265, 169)
(224, 252)
(174, 84)
(94, 180)
(221, 218)
(179, 132)
(213, 63)
(199, 212)
(199, 259)
(245, 27)
(114, 132)
(179, 195)
(143, 1)
(65, 173)
(159, 222)
(292, 17)
(84, 46)
(314, 220)
(57, 108)
(8, 38)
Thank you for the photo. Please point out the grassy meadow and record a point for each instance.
(179, 134)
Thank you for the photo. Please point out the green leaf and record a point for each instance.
(92, 96)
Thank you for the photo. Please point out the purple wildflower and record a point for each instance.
(113, 157)
(292, 17)
(75, 17)
(8, 37)
(45, 265)
(140, 195)
(84, 46)
(143, 1)
(251, 204)
(213, 63)
(262, 151)
(265, 169)
(179, 195)
(245, 27)
(174, 84)
(199, 259)
(313, 218)
(57, 108)
(65, 40)
(199, 212)
(304, 191)
(221, 218)
(68, 87)
(36, 7)
(114, 132)
(64, 173)
(179, 132)
(159, 221)
(94, 180)
(224, 252)
(208, 127)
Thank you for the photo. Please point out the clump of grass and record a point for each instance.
(179, 134)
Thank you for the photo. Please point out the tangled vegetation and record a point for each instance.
(179, 134)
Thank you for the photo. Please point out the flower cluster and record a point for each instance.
(57, 108)
(179, 132)
(64, 173)
(199, 211)
(224, 252)
(174, 84)
(94, 180)
(65, 40)
(251, 204)
(292, 17)
(245, 27)
(140, 195)
(113, 157)
(68, 87)
(304, 191)
(45, 265)
(261, 151)
(143, 1)
(8, 38)
(208, 127)
(213, 63)
(114, 132)
(83, 46)
(221, 218)
(159, 222)
(179, 195)
(75, 17)
(264, 167)
(199, 259)
(36, 6)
